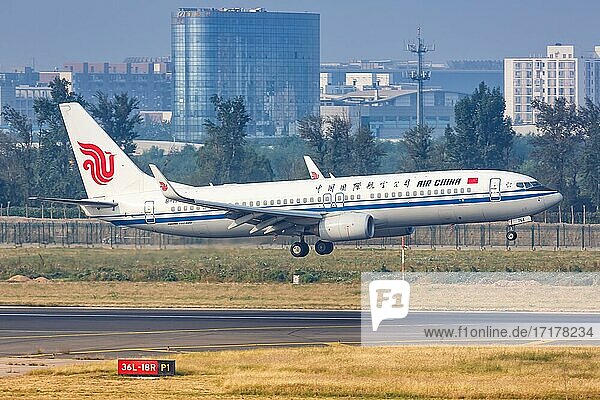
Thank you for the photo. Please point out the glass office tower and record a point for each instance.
(269, 58)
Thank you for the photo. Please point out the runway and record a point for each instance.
(107, 333)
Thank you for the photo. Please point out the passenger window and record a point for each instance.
(429, 193)
(442, 191)
(178, 208)
(358, 197)
(408, 194)
(414, 193)
(378, 195)
(291, 201)
(251, 203)
(272, 202)
(351, 197)
(372, 195)
(304, 199)
(278, 201)
(399, 194)
(312, 199)
(462, 190)
(435, 191)
(455, 190)
(284, 201)
(298, 201)
(422, 193)
(184, 208)
(264, 202)
(468, 190)
(386, 194)
(319, 199)
(346, 197)
(172, 208)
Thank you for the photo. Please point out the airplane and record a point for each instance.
(332, 209)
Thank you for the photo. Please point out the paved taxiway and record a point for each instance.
(91, 332)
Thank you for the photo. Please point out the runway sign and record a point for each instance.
(146, 367)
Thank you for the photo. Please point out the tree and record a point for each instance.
(311, 130)
(18, 158)
(366, 152)
(58, 175)
(419, 147)
(119, 118)
(225, 157)
(590, 119)
(482, 137)
(555, 150)
(337, 149)
(339, 146)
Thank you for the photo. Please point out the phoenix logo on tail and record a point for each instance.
(100, 166)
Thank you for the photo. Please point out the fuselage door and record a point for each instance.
(495, 194)
(149, 212)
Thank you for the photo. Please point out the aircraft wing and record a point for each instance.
(267, 220)
(78, 202)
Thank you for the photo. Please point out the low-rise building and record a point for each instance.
(390, 112)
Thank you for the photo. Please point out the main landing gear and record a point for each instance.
(300, 249)
(323, 248)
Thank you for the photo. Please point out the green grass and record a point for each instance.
(232, 264)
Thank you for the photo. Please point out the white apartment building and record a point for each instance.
(559, 74)
(592, 76)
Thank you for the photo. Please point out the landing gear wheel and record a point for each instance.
(511, 235)
(323, 248)
(299, 249)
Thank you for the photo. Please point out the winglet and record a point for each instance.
(313, 170)
(165, 186)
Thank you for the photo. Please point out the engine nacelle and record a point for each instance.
(391, 232)
(347, 226)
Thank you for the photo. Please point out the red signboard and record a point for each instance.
(471, 181)
(146, 367)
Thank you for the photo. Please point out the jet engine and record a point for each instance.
(390, 232)
(346, 226)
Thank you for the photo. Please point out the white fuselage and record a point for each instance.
(394, 201)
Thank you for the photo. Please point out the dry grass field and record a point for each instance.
(285, 295)
(336, 372)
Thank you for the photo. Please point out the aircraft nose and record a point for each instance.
(553, 199)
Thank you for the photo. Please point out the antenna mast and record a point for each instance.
(420, 74)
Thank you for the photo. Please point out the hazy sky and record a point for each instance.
(53, 32)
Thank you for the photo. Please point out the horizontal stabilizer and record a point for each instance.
(78, 202)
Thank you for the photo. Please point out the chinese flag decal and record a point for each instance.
(471, 181)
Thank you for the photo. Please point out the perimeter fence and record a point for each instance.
(94, 233)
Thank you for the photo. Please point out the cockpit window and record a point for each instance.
(533, 185)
